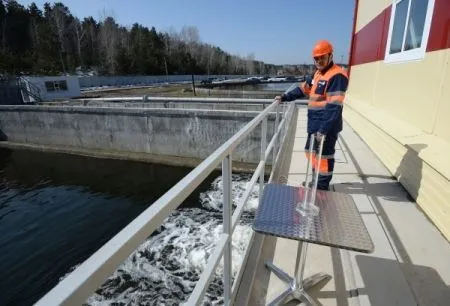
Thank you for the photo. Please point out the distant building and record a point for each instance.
(398, 98)
(47, 88)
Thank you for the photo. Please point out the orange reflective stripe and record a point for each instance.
(323, 167)
(317, 98)
(314, 159)
(317, 105)
(335, 99)
(313, 155)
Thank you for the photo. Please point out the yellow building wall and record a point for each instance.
(409, 162)
(368, 10)
(363, 79)
(442, 124)
(416, 92)
(402, 111)
(412, 90)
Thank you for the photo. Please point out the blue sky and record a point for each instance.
(277, 32)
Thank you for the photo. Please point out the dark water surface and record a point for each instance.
(56, 210)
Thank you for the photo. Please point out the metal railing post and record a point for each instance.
(227, 211)
(275, 149)
(263, 153)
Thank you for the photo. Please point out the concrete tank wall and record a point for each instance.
(99, 81)
(168, 132)
(176, 105)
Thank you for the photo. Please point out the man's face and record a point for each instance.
(321, 61)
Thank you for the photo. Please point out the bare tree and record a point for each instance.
(190, 36)
(58, 17)
(108, 42)
(80, 33)
(250, 63)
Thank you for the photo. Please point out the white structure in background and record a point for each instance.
(46, 88)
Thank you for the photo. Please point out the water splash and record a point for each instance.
(165, 268)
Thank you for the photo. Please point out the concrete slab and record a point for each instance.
(410, 264)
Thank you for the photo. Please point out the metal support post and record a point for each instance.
(227, 209)
(263, 153)
(275, 128)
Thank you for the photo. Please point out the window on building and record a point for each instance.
(51, 86)
(409, 29)
(62, 85)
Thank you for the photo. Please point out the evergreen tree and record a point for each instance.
(53, 41)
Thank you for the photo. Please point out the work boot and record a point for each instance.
(310, 184)
(326, 188)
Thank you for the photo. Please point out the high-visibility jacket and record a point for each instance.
(326, 94)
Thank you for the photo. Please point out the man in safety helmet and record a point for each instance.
(326, 93)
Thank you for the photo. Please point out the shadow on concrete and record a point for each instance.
(414, 275)
(376, 271)
(388, 191)
(409, 172)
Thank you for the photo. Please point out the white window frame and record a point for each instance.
(56, 87)
(413, 54)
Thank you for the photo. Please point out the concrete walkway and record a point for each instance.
(411, 261)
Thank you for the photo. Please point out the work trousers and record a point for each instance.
(326, 165)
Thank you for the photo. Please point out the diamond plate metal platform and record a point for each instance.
(338, 224)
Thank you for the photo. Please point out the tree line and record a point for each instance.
(52, 41)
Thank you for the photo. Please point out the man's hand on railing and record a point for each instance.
(277, 99)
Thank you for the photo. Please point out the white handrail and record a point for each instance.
(91, 274)
(199, 290)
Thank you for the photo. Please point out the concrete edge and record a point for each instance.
(131, 110)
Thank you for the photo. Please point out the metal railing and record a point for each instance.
(91, 274)
(181, 99)
(30, 89)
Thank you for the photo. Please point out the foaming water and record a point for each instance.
(166, 267)
(56, 210)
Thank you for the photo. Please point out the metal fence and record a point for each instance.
(83, 281)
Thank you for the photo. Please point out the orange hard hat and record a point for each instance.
(322, 47)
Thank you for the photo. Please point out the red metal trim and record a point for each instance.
(368, 45)
(440, 27)
(370, 41)
(352, 43)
